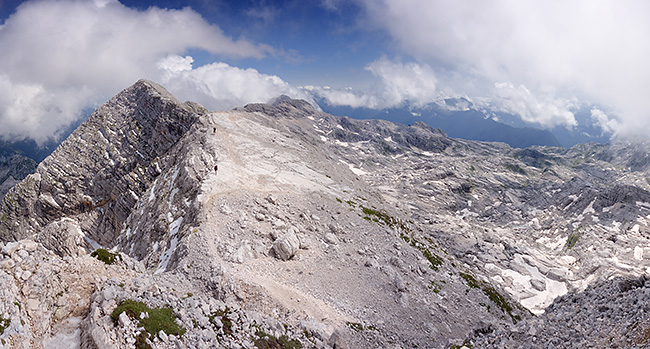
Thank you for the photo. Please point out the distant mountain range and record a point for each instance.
(460, 118)
(457, 117)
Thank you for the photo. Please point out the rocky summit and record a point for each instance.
(160, 224)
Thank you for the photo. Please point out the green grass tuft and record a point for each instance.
(225, 320)
(106, 256)
(359, 327)
(435, 261)
(492, 294)
(516, 169)
(267, 341)
(572, 240)
(355, 326)
(4, 323)
(160, 319)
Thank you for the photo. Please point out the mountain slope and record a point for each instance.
(276, 223)
(98, 173)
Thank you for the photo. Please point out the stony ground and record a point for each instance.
(611, 314)
(315, 231)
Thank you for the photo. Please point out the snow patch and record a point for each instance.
(93, 244)
(522, 287)
(173, 228)
(166, 256)
(171, 196)
(152, 190)
(618, 264)
(67, 335)
(47, 197)
(553, 244)
(638, 253)
(590, 208)
(134, 195)
(355, 170)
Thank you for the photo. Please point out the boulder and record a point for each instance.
(286, 246)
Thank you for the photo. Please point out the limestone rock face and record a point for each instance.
(96, 176)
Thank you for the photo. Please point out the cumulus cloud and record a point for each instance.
(396, 83)
(595, 50)
(606, 124)
(219, 86)
(546, 112)
(59, 57)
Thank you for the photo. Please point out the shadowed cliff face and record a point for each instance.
(96, 175)
(14, 170)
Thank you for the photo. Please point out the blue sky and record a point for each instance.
(322, 43)
(538, 60)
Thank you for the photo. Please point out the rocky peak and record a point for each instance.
(283, 105)
(87, 187)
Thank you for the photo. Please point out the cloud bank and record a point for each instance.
(595, 50)
(59, 57)
(396, 83)
(219, 85)
(546, 112)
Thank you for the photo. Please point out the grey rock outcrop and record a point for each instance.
(286, 246)
(96, 176)
(610, 314)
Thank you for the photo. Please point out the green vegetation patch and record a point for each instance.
(359, 327)
(4, 323)
(466, 344)
(267, 341)
(225, 320)
(515, 168)
(106, 256)
(436, 286)
(435, 261)
(493, 295)
(160, 319)
(374, 215)
(572, 240)
(381, 217)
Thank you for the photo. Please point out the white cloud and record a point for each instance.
(596, 50)
(547, 112)
(399, 82)
(219, 86)
(396, 83)
(59, 57)
(606, 124)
